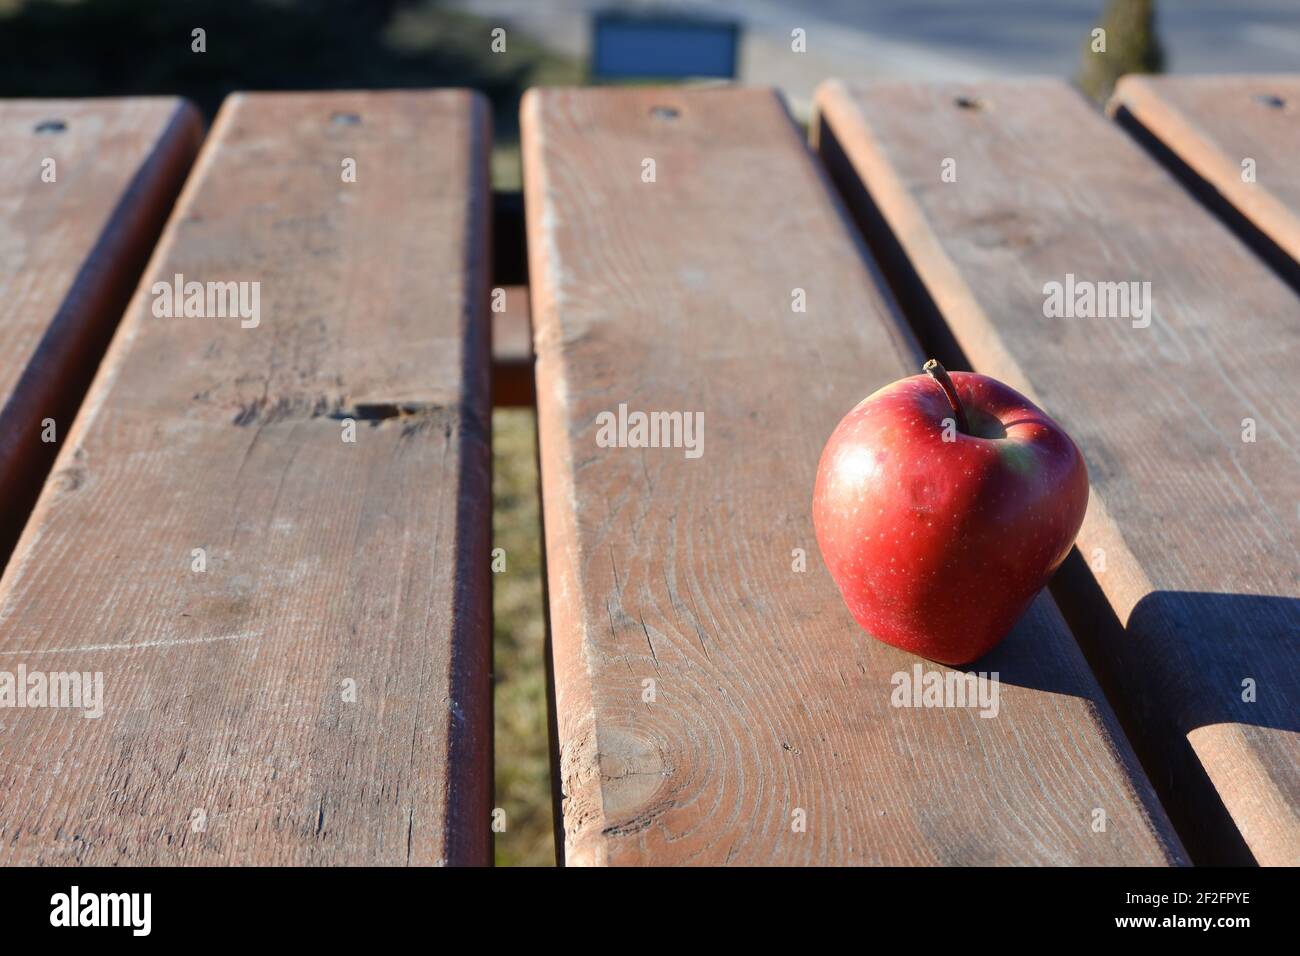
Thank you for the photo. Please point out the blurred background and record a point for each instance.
(117, 47)
(83, 48)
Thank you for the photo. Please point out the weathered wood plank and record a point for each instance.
(1191, 530)
(1238, 134)
(766, 699)
(319, 693)
(85, 186)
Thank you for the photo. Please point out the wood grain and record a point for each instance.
(676, 294)
(1214, 123)
(1191, 530)
(228, 735)
(71, 251)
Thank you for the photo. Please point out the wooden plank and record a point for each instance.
(320, 693)
(676, 294)
(1191, 528)
(85, 186)
(512, 348)
(1213, 125)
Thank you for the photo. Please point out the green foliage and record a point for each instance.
(1131, 47)
(134, 47)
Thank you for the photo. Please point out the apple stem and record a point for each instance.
(944, 380)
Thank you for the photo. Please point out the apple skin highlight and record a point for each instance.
(938, 546)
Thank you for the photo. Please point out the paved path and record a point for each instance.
(939, 39)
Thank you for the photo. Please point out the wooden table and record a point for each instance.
(269, 529)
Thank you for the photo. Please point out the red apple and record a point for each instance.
(942, 506)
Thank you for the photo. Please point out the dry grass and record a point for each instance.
(523, 786)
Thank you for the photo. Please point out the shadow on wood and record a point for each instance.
(1174, 625)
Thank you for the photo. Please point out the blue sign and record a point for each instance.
(626, 45)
